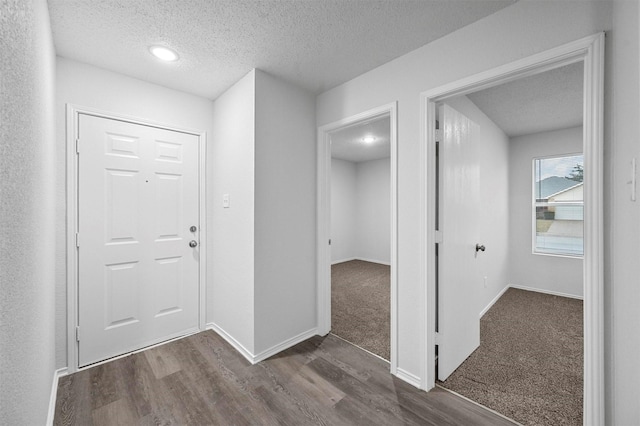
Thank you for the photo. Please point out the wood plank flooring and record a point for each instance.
(201, 380)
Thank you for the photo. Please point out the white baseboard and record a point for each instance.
(410, 378)
(54, 394)
(254, 359)
(495, 299)
(374, 261)
(335, 262)
(232, 341)
(363, 259)
(539, 290)
(284, 345)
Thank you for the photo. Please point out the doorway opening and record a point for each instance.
(587, 54)
(522, 284)
(357, 230)
(360, 234)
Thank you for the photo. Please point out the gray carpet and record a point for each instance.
(529, 365)
(360, 299)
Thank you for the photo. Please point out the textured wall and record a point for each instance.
(343, 210)
(26, 212)
(285, 212)
(373, 211)
(230, 304)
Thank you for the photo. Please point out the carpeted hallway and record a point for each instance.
(529, 365)
(360, 298)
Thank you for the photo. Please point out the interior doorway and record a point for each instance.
(510, 156)
(357, 224)
(588, 53)
(360, 234)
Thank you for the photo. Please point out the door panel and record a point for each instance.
(138, 196)
(458, 277)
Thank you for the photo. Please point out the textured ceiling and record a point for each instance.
(315, 44)
(347, 144)
(548, 101)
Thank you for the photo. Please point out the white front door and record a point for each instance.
(458, 285)
(138, 281)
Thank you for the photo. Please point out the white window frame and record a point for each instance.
(535, 203)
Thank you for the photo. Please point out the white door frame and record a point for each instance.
(72, 128)
(591, 51)
(324, 220)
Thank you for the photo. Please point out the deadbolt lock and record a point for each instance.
(193, 228)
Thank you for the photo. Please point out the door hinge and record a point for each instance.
(437, 338)
(78, 334)
(438, 237)
(77, 240)
(77, 146)
(329, 241)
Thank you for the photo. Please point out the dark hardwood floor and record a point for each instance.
(201, 380)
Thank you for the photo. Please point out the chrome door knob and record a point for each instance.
(193, 243)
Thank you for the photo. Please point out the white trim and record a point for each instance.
(232, 341)
(379, 262)
(493, 301)
(551, 292)
(71, 131)
(61, 372)
(591, 51)
(324, 221)
(410, 378)
(267, 353)
(349, 259)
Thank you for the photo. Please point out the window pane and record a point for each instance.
(559, 210)
(559, 236)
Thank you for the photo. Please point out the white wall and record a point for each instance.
(373, 211)
(27, 239)
(361, 210)
(541, 272)
(622, 230)
(89, 86)
(285, 212)
(515, 32)
(262, 274)
(493, 218)
(343, 210)
(230, 296)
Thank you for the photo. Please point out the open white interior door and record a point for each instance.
(458, 286)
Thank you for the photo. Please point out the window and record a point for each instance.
(558, 205)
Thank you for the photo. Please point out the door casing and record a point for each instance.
(590, 51)
(324, 221)
(72, 125)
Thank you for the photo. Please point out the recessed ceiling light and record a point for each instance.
(163, 53)
(368, 139)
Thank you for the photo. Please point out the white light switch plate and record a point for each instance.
(225, 201)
